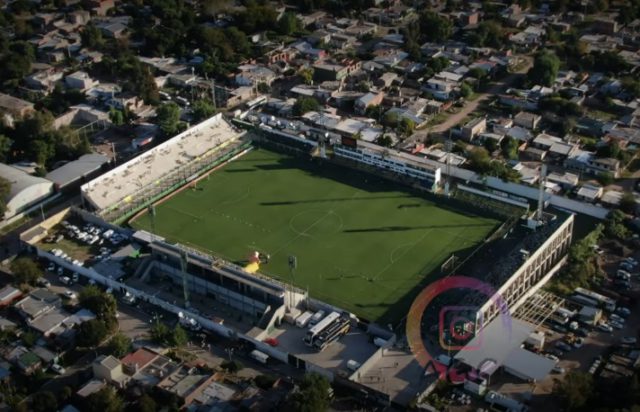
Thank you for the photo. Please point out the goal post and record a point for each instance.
(449, 264)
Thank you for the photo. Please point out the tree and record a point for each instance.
(465, 91)
(288, 24)
(160, 332)
(146, 404)
(5, 189)
(91, 333)
(116, 116)
(306, 74)
(312, 394)
(179, 337)
(304, 105)
(105, 400)
(103, 304)
(264, 88)
(545, 68)
(44, 401)
(406, 127)
(628, 203)
(168, 116)
(201, 110)
(119, 345)
(574, 390)
(5, 148)
(490, 144)
(434, 27)
(25, 270)
(384, 140)
(509, 147)
(91, 36)
(232, 366)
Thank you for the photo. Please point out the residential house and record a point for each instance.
(439, 89)
(44, 80)
(252, 75)
(109, 369)
(527, 120)
(386, 80)
(566, 180)
(531, 37)
(589, 193)
(611, 198)
(38, 302)
(473, 128)
(15, 107)
(186, 384)
(80, 81)
(8, 295)
(586, 162)
(366, 101)
(147, 367)
(605, 25)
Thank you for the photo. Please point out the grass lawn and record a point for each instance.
(361, 243)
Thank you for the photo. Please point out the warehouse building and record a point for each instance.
(25, 191)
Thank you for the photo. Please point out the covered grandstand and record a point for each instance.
(133, 185)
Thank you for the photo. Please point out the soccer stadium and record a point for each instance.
(361, 242)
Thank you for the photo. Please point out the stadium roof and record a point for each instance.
(528, 365)
(494, 343)
(150, 167)
(77, 169)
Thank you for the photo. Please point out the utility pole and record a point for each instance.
(213, 93)
(293, 264)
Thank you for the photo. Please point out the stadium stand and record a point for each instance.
(171, 162)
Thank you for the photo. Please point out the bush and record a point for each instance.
(232, 366)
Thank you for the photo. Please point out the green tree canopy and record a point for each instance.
(201, 110)
(628, 203)
(168, 116)
(5, 188)
(545, 68)
(288, 24)
(119, 345)
(434, 27)
(44, 401)
(574, 390)
(312, 394)
(25, 270)
(98, 301)
(304, 105)
(465, 90)
(105, 400)
(91, 333)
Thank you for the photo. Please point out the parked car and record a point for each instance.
(70, 294)
(629, 340)
(557, 352)
(65, 280)
(563, 346)
(43, 282)
(605, 327)
(622, 311)
(558, 369)
(57, 369)
(578, 343)
(60, 271)
(616, 325)
(271, 341)
(616, 318)
(582, 333)
(51, 267)
(552, 357)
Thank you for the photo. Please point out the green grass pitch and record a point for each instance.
(361, 243)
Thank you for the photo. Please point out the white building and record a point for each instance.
(25, 190)
(391, 160)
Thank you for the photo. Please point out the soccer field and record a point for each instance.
(361, 243)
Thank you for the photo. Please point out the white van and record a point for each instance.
(304, 319)
(317, 317)
(259, 356)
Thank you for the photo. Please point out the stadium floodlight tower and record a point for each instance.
(293, 264)
(183, 272)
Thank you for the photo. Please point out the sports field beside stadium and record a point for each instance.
(361, 243)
